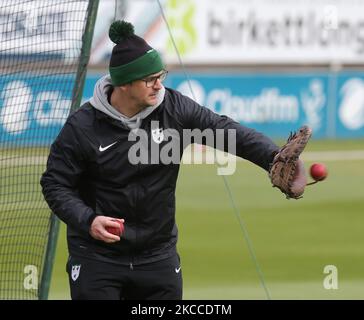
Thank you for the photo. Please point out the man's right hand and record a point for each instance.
(99, 232)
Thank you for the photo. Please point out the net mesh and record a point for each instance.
(40, 47)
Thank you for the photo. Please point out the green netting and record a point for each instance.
(44, 47)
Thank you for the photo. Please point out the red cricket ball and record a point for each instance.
(318, 171)
(117, 231)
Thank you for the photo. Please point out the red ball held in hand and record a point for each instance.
(117, 231)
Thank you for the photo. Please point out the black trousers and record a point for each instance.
(97, 280)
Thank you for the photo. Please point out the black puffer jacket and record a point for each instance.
(88, 173)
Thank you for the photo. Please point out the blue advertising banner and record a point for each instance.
(275, 104)
(33, 108)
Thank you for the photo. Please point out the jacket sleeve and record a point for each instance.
(250, 144)
(60, 181)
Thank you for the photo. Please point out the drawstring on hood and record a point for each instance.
(100, 102)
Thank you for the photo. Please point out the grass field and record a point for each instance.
(293, 240)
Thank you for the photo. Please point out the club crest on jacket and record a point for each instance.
(158, 135)
(75, 272)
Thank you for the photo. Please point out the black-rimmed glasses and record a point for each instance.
(151, 81)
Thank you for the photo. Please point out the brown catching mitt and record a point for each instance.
(287, 171)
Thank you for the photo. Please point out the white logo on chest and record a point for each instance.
(102, 149)
(158, 135)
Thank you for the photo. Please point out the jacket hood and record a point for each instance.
(100, 102)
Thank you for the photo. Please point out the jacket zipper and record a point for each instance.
(131, 267)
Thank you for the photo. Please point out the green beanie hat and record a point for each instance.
(132, 58)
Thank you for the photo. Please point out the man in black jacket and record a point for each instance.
(94, 179)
